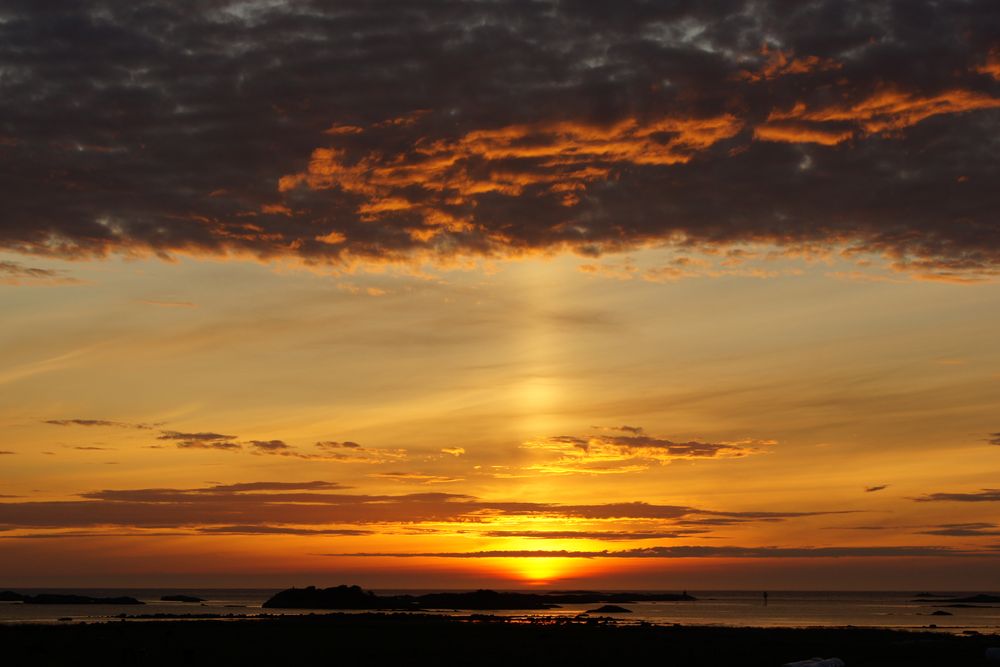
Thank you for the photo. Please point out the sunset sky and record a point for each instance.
(675, 295)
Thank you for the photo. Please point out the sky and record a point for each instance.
(682, 295)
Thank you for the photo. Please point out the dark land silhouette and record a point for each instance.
(610, 609)
(477, 640)
(354, 597)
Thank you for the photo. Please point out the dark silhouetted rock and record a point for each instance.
(11, 596)
(353, 597)
(338, 597)
(941, 612)
(976, 599)
(610, 609)
(181, 598)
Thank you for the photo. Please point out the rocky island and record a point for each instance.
(354, 597)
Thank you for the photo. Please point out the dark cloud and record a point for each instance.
(96, 422)
(3, 452)
(388, 130)
(965, 530)
(93, 449)
(609, 536)
(269, 446)
(873, 489)
(321, 503)
(281, 530)
(994, 439)
(201, 440)
(15, 273)
(981, 496)
(603, 454)
(207, 530)
(332, 444)
(701, 552)
(317, 485)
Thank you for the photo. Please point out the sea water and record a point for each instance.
(731, 608)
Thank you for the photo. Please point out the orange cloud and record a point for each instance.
(992, 64)
(783, 63)
(885, 111)
(435, 180)
(798, 133)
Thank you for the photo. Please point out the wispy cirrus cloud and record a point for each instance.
(15, 273)
(417, 477)
(352, 452)
(99, 423)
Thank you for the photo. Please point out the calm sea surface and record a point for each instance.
(735, 608)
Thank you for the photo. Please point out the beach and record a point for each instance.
(406, 639)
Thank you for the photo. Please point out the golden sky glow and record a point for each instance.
(169, 418)
(538, 295)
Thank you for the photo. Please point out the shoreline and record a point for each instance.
(485, 616)
(480, 639)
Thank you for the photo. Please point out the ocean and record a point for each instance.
(898, 610)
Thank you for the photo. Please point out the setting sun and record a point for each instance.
(541, 571)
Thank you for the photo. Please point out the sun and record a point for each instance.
(540, 571)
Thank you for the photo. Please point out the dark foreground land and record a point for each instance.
(399, 639)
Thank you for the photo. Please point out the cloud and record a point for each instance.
(703, 552)
(994, 439)
(332, 444)
(602, 454)
(885, 110)
(97, 422)
(322, 503)
(282, 530)
(610, 536)
(513, 128)
(15, 273)
(873, 489)
(94, 449)
(316, 485)
(4, 452)
(982, 496)
(351, 452)
(269, 446)
(965, 530)
(418, 477)
(201, 440)
(453, 451)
